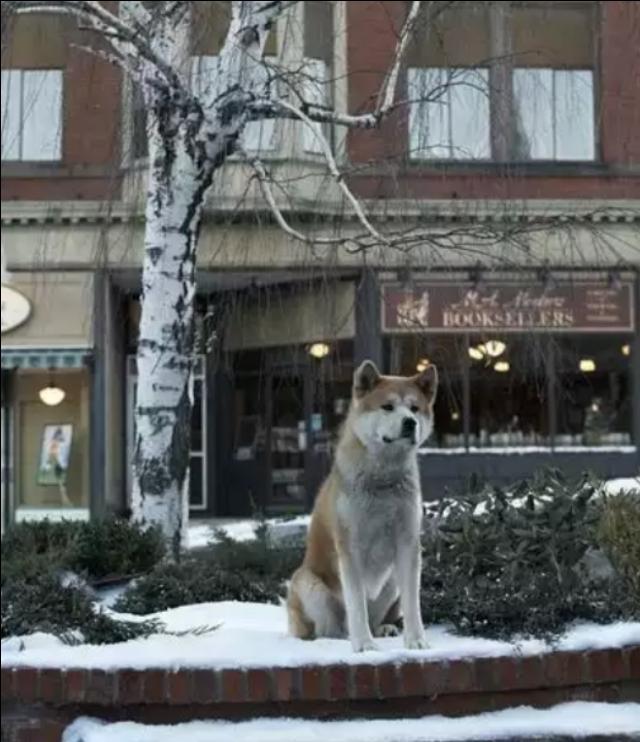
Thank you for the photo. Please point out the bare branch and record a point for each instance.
(335, 172)
(388, 91)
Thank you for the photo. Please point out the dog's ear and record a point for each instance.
(365, 379)
(427, 382)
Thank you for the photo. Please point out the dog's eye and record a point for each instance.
(387, 407)
(414, 408)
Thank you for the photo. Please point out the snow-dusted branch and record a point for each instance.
(387, 93)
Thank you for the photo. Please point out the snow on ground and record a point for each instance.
(202, 534)
(578, 719)
(627, 484)
(255, 635)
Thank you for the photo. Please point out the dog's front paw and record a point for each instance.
(415, 642)
(364, 644)
(387, 629)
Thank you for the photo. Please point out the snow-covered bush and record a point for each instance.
(252, 570)
(44, 566)
(499, 563)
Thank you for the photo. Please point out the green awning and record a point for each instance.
(45, 358)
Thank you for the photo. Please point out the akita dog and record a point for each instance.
(361, 570)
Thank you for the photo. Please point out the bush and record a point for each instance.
(227, 570)
(41, 603)
(619, 535)
(501, 563)
(35, 557)
(95, 550)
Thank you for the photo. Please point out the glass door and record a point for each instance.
(287, 436)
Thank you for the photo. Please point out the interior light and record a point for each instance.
(501, 367)
(423, 365)
(455, 415)
(476, 353)
(319, 350)
(626, 350)
(595, 407)
(52, 395)
(587, 365)
(495, 348)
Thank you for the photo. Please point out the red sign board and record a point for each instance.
(507, 307)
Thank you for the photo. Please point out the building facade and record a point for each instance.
(516, 158)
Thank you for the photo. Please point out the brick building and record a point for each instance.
(532, 135)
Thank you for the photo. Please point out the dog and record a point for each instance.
(361, 570)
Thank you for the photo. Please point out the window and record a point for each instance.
(593, 390)
(31, 115)
(315, 90)
(449, 114)
(554, 114)
(503, 81)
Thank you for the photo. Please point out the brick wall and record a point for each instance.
(379, 155)
(38, 704)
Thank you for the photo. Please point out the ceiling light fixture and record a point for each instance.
(501, 367)
(422, 365)
(319, 350)
(495, 348)
(587, 365)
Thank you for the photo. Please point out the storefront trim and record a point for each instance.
(46, 358)
(527, 450)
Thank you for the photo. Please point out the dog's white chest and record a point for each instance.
(376, 526)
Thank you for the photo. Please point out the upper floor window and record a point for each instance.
(504, 81)
(450, 116)
(553, 114)
(31, 115)
(315, 76)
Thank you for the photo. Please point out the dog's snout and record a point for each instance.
(409, 425)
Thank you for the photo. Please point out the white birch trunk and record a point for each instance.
(185, 149)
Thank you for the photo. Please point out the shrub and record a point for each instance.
(227, 570)
(619, 535)
(41, 603)
(99, 549)
(501, 563)
(34, 558)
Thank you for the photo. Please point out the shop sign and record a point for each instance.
(571, 307)
(16, 309)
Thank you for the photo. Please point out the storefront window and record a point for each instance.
(508, 391)
(52, 456)
(594, 390)
(408, 355)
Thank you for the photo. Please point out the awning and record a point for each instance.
(45, 358)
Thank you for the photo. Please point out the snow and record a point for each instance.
(627, 484)
(578, 719)
(520, 450)
(203, 534)
(255, 635)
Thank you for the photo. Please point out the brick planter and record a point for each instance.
(38, 704)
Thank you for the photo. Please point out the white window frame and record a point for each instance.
(555, 100)
(423, 113)
(30, 145)
(315, 90)
(198, 373)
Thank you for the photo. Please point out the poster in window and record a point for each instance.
(54, 455)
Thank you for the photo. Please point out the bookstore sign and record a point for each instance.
(504, 307)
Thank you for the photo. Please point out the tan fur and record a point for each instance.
(327, 537)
